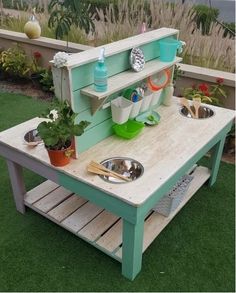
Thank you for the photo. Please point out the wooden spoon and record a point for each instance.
(102, 168)
(196, 105)
(185, 103)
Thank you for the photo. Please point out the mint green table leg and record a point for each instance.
(132, 249)
(215, 160)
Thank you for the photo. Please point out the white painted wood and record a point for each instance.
(127, 78)
(161, 150)
(98, 226)
(157, 222)
(17, 184)
(52, 199)
(112, 238)
(40, 191)
(81, 217)
(207, 74)
(67, 207)
(113, 48)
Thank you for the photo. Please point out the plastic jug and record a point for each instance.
(168, 49)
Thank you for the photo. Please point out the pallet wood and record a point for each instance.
(155, 223)
(67, 207)
(98, 226)
(40, 191)
(128, 78)
(53, 199)
(81, 217)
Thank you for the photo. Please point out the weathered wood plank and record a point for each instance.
(52, 199)
(128, 78)
(40, 191)
(98, 226)
(112, 238)
(81, 217)
(67, 207)
(157, 222)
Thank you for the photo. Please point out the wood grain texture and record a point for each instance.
(161, 149)
(81, 217)
(98, 226)
(119, 46)
(40, 191)
(157, 222)
(128, 78)
(67, 207)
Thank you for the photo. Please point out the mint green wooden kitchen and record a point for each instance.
(116, 218)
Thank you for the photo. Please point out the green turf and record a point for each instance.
(194, 253)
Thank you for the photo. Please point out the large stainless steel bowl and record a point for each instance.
(127, 167)
(203, 113)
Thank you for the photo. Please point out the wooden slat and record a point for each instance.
(128, 78)
(40, 191)
(98, 226)
(157, 222)
(67, 207)
(112, 238)
(81, 217)
(52, 199)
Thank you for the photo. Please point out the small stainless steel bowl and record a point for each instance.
(32, 136)
(127, 167)
(203, 112)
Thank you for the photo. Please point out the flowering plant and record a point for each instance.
(209, 94)
(58, 130)
(36, 60)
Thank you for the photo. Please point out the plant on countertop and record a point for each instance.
(59, 129)
(209, 94)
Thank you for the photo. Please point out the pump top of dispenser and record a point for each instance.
(101, 57)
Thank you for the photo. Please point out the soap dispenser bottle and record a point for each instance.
(100, 73)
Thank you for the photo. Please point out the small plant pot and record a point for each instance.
(155, 98)
(35, 78)
(120, 109)
(60, 158)
(146, 102)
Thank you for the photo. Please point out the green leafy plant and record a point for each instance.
(205, 16)
(59, 128)
(15, 62)
(209, 94)
(46, 80)
(67, 12)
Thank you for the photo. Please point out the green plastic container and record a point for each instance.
(129, 129)
(168, 49)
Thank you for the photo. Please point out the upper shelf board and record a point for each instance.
(128, 78)
(91, 55)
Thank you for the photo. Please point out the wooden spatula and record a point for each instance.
(185, 103)
(196, 105)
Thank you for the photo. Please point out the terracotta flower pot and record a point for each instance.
(60, 158)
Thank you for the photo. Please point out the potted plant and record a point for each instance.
(58, 131)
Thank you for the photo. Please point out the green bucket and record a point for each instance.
(168, 49)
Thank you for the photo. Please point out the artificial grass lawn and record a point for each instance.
(195, 252)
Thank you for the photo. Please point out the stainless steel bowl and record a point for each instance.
(203, 112)
(127, 167)
(32, 136)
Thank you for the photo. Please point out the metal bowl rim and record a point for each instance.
(121, 158)
(180, 111)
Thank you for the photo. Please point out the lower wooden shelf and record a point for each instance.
(94, 224)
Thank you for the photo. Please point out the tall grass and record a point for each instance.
(125, 18)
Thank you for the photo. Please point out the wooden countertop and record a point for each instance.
(161, 149)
